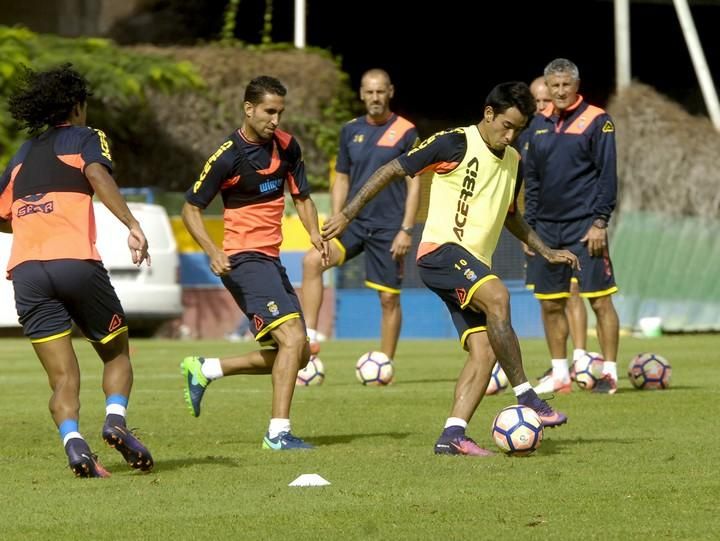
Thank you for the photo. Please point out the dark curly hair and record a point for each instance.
(46, 98)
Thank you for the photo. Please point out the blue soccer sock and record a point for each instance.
(116, 409)
(68, 430)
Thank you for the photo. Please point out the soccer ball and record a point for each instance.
(498, 380)
(312, 374)
(588, 370)
(517, 430)
(374, 368)
(649, 371)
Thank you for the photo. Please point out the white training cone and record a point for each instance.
(309, 480)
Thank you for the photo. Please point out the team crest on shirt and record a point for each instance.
(391, 135)
(470, 275)
(359, 138)
(273, 308)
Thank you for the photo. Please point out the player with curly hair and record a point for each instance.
(46, 203)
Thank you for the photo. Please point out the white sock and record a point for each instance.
(312, 335)
(577, 353)
(71, 435)
(560, 369)
(522, 388)
(456, 421)
(277, 426)
(610, 367)
(116, 409)
(211, 369)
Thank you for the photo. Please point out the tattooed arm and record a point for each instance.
(515, 223)
(377, 181)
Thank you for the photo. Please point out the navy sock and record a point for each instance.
(453, 431)
(114, 419)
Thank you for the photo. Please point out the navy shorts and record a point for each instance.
(531, 264)
(262, 290)
(454, 275)
(382, 272)
(51, 295)
(595, 277)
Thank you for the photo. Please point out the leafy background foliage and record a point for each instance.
(165, 109)
(120, 78)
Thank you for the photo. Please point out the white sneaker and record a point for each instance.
(550, 384)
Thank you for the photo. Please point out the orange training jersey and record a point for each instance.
(45, 193)
(251, 178)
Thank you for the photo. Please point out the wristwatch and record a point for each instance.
(408, 230)
(600, 223)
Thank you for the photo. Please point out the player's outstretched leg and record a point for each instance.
(195, 383)
(82, 461)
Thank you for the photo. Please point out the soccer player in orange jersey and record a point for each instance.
(251, 170)
(46, 197)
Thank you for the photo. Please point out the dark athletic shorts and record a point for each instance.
(262, 290)
(595, 277)
(51, 295)
(454, 275)
(382, 272)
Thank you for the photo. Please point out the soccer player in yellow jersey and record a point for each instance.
(473, 195)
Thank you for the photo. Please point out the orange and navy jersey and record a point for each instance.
(570, 165)
(472, 190)
(364, 148)
(45, 193)
(251, 178)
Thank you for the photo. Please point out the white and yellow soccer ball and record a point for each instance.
(517, 430)
(312, 374)
(374, 368)
(649, 371)
(588, 370)
(498, 380)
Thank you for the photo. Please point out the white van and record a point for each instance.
(8, 315)
(150, 296)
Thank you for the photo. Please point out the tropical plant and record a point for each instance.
(119, 77)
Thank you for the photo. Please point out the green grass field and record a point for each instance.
(640, 464)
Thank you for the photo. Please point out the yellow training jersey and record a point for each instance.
(472, 190)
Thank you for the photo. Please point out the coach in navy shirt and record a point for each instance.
(571, 187)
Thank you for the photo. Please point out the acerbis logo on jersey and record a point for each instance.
(468, 190)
